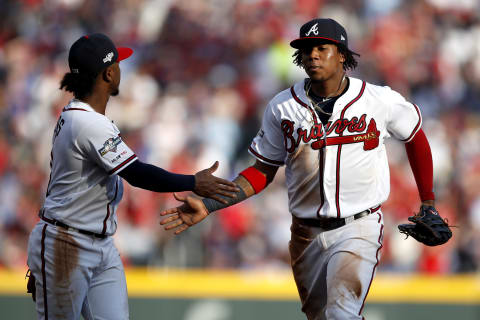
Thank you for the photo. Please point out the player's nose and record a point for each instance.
(314, 53)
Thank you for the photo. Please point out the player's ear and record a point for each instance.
(107, 74)
(342, 56)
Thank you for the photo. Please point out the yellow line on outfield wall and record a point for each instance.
(225, 284)
(275, 285)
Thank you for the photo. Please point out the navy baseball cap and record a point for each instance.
(92, 53)
(320, 30)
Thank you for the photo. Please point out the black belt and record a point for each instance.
(333, 223)
(65, 226)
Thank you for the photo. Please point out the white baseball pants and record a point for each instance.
(76, 274)
(334, 269)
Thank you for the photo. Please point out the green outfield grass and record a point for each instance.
(22, 308)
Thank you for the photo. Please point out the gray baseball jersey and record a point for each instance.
(87, 154)
(76, 271)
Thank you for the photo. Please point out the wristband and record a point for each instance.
(255, 177)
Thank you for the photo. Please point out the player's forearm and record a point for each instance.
(149, 177)
(251, 181)
(246, 191)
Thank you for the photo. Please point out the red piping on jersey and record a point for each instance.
(122, 164)
(256, 154)
(418, 123)
(320, 178)
(108, 209)
(337, 190)
(376, 264)
(71, 109)
(303, 104)
(44, 274)
(321, 165)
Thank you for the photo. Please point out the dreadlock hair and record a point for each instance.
(80, 84)
(350, 61)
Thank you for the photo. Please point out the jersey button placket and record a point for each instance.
(321, 157)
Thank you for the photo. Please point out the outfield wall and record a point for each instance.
(232, 295)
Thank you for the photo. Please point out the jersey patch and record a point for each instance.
(110, 145)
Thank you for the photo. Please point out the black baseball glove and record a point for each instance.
(427, 227)
(31, 287)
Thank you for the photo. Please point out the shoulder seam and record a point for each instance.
(86, 127)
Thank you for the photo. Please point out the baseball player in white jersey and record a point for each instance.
(329, 131)
(75, 266)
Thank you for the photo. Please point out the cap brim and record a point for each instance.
(124, 53)
(303, 42)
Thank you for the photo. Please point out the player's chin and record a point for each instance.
(316, 76)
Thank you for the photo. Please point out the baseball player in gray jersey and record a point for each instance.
(75, 266)
(329, 132)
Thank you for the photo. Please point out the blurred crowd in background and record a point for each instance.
(194, 92)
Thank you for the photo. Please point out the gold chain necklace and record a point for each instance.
(308, 88)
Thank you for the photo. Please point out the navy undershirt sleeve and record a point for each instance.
(149, 177)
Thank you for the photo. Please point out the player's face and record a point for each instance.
(322, 61)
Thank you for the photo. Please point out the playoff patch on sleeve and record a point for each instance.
(110, 145)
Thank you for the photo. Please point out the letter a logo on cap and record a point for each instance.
(313, 29)
(342, 38)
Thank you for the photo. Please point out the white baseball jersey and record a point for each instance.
(87, 154)
(339, 169)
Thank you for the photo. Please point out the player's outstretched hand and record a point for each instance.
(191, 212)
(209, 186)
